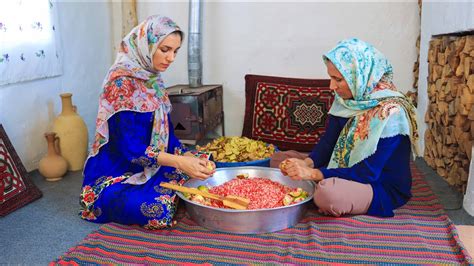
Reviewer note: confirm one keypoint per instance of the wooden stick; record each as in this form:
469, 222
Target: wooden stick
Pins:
231, 201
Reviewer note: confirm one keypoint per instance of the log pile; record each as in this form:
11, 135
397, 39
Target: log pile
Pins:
450, 114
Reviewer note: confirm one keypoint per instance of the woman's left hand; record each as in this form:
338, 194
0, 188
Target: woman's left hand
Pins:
196, 167
209, 164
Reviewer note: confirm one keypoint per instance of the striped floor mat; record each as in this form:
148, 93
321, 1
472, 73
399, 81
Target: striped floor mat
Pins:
420, 233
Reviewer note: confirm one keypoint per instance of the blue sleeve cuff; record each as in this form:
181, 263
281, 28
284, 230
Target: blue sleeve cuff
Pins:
326, 172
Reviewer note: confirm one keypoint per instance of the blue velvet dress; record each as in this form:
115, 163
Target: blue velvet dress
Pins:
387, 170
105, 198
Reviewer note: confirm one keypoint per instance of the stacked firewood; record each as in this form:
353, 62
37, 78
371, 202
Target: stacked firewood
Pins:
450, 114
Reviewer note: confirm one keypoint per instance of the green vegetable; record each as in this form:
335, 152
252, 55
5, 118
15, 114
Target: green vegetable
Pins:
299, 199
304, 194
203, 188
287, 200
296, 193
198, 198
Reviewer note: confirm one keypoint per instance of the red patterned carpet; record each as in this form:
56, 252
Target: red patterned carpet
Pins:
420, 233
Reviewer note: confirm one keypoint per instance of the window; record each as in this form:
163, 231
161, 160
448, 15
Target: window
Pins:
28, 41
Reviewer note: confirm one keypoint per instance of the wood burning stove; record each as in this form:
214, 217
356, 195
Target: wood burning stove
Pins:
196, 111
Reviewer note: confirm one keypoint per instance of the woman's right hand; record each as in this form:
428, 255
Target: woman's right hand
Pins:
284, 165
297, 169
196, 167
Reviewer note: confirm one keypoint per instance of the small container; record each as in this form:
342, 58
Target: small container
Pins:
53, 166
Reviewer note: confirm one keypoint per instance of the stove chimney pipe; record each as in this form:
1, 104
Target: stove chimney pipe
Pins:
194, 44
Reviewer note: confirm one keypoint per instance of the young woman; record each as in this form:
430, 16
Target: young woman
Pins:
362, 163
134, 147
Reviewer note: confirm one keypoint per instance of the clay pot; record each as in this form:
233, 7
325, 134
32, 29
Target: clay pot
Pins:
53, 166
72, 133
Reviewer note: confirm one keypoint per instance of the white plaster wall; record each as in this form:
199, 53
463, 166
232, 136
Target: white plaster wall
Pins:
27, 109
286, 39
438, 18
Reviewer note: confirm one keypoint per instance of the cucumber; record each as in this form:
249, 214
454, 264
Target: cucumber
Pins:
203, 188
287, 200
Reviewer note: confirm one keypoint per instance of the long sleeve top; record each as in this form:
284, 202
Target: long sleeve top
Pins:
387, 170
130, 134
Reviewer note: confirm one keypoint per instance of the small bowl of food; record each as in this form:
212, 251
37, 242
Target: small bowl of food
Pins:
239, 151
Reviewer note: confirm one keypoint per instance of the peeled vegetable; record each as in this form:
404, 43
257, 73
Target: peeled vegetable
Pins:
203, 188
287, 200
283, 166
296, 193
209, 165
238, 149
295, 196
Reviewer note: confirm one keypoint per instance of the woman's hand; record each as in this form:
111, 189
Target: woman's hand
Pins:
196, 167
284, 164
188, 154
300, 162
297, 169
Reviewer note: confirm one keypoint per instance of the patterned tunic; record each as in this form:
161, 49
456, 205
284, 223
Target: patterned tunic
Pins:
105, 198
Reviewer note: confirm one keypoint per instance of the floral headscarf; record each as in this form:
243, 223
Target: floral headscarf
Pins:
375, 102
132, 84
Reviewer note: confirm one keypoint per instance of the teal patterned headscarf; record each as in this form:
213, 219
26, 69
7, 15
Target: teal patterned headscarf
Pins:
377, 109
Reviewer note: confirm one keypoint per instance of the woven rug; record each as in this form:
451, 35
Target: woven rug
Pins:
16, 187
420, 233
287, 112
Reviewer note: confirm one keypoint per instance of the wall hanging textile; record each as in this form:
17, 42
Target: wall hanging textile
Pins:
287, 112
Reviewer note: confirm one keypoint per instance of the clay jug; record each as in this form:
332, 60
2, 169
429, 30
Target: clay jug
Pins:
53, 166
72, 133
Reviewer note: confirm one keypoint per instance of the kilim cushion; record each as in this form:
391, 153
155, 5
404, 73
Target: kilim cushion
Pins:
287, 112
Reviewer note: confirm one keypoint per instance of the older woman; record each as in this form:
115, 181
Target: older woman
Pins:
134, 147
362, 163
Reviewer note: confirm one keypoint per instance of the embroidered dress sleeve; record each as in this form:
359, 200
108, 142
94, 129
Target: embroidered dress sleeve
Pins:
370, 169
321, 153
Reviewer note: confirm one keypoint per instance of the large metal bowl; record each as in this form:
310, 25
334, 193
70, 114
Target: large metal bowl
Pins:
248, 221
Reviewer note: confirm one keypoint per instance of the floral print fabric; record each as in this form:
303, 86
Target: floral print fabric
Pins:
377, 109
121, 174
132, 84
107, 197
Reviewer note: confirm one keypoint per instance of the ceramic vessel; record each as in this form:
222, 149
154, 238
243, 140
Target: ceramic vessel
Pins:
72, 133
53, 166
